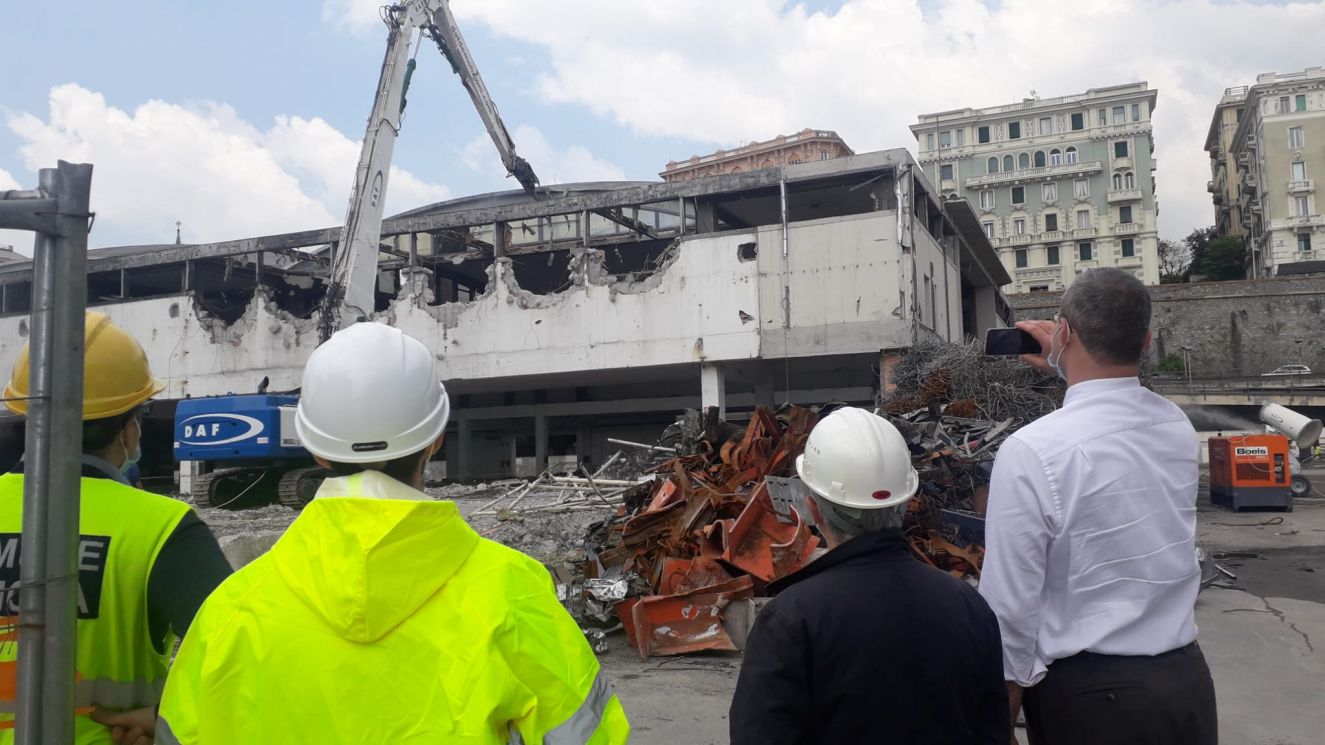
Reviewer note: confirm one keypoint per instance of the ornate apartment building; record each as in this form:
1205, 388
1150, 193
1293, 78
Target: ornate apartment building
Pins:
805, 146
1224, 174
1276, 153
1062, 185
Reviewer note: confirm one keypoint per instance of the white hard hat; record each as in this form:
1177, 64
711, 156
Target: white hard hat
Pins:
856, 459
370, 394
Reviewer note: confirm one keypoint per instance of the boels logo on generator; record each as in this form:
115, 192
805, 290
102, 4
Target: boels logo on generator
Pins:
1250, 452
220, 429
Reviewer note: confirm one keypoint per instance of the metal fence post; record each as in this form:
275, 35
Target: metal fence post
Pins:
47, 634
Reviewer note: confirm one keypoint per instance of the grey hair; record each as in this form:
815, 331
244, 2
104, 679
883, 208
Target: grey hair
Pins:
1109, 311
852, 522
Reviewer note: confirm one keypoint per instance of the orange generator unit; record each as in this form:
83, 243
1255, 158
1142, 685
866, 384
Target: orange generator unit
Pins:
1250, 471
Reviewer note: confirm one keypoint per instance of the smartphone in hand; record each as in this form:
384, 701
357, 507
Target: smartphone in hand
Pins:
1010, 342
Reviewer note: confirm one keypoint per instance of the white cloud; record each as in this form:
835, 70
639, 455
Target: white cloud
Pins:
355, 16
201, 164
553, 165
21, 240
751, 69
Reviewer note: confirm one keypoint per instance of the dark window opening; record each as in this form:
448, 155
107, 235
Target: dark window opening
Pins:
1078, 121
635, 261
747, 251
1014, 130
543, 273
459, 283
982, 134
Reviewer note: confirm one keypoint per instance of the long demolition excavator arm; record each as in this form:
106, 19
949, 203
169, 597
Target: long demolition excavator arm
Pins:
353, 282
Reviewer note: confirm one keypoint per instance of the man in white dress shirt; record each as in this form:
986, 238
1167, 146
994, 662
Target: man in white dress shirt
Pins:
1091, 565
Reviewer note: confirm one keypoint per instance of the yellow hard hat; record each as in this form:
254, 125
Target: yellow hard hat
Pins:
116, 376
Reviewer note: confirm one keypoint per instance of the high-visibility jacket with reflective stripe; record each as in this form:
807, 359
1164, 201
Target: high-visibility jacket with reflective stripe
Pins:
121, 532
381, 617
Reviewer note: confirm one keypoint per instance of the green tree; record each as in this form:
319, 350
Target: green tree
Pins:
1225, 259
1197, 242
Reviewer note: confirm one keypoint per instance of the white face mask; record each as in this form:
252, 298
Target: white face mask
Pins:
1056, 353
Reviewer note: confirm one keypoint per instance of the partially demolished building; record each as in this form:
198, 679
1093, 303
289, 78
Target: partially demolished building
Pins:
599, 311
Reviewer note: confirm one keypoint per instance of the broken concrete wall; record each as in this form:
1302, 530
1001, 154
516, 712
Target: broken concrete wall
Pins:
712, 297
195, 354
844, 275
690, 310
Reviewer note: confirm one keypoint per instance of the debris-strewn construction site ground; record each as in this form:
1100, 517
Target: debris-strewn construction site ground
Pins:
663, 553
1263, 634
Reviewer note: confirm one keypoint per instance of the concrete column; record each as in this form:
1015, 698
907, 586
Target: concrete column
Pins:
510, 447
713, 387
584, 443
464, 449
540, 442
189, 470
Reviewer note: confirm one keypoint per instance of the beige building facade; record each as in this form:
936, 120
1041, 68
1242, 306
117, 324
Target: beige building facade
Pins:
1062, 185
1224, 174
1279, 148
806, 146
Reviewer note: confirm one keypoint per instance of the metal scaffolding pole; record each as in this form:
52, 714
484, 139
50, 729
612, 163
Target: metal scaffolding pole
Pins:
48, 601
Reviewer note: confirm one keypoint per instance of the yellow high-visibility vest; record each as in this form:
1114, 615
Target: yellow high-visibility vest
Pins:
387, 620
121, 532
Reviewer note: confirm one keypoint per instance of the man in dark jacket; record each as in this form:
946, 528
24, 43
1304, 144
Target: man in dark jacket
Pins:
866, 644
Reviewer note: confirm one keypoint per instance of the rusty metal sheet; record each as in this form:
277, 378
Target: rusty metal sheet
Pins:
759, 543
689, 622
686, 575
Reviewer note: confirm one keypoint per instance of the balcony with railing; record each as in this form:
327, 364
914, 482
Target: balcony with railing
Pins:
1083, 233
1053, 235
1210, 187
1299, 186
1031, 273
1126, 228
1034, 174
1124, 195
1019, 240
1123, 162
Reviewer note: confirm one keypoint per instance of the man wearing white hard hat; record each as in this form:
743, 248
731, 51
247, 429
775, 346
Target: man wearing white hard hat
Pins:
380, 616
867, 644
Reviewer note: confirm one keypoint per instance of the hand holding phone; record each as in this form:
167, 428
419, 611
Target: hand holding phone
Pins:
1010, 342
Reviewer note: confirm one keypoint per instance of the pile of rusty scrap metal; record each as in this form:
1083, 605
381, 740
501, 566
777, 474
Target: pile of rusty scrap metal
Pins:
953, 455
701, 537
680, 562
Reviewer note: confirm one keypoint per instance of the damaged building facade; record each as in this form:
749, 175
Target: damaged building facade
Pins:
600, 311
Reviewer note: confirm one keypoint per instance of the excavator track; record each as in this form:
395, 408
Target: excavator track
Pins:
297, 487
234, 488
200, 494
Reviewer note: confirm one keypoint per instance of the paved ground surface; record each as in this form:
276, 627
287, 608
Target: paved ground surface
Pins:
1263, 633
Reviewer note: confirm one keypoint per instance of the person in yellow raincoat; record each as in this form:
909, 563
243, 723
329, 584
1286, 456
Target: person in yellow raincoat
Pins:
380, 615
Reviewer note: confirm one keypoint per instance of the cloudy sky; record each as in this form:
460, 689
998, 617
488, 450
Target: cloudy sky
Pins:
243, 118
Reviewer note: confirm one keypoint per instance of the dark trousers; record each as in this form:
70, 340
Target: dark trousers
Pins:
1094, 699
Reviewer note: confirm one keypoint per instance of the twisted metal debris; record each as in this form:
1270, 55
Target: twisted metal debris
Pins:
970, 383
